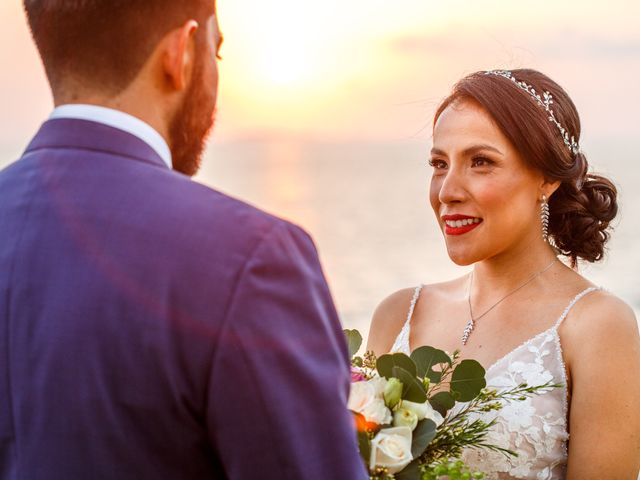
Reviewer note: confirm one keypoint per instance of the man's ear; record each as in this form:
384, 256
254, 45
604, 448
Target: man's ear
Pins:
179, 54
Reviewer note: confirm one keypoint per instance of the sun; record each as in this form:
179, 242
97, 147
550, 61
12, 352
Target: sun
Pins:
282, 44
289, 63
284, 58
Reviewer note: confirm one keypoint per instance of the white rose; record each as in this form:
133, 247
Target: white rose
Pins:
377, 412
366, 398
403, 417
378, 384
391, 448
423, 410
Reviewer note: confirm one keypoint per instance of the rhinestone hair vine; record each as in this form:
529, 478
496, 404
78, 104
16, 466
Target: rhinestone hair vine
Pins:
545, 101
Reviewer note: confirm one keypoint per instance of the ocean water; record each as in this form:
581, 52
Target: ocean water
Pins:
366, 205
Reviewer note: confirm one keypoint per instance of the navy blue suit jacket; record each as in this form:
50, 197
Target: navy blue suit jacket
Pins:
153, 328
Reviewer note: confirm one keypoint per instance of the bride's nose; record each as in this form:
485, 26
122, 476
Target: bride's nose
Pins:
452, 188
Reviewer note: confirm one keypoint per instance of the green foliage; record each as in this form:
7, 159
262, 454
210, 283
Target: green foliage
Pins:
442, 402
412, 389
413, 471
386, 363
452, 470
364, 445
424, 433
436, 449
354, 341
467, 380
425, 358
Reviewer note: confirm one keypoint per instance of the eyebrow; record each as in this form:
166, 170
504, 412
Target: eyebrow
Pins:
469, 151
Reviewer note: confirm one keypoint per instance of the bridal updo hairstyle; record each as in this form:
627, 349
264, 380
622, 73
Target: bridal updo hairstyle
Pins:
103, 44
584, 204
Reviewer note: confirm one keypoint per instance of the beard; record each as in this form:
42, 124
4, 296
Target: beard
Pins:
192, 123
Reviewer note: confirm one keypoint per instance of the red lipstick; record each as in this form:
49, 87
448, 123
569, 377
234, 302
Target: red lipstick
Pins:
460, 224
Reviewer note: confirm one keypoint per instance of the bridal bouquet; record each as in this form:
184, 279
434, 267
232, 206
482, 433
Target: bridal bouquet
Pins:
415, 414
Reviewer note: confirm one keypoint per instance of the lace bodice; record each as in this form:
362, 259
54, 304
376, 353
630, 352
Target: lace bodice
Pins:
535, 428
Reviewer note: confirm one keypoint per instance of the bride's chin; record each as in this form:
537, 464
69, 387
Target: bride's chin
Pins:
462, 259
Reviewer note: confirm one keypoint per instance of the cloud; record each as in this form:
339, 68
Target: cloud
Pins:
554, 45
590, 45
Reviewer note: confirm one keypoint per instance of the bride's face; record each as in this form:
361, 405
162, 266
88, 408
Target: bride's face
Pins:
485, 198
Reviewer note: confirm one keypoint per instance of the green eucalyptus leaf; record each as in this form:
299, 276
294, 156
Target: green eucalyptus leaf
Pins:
423, 434
434, 377
442, 402
412, 389
364, 445
385, 364
410, 472
425, 358
467, 380
354, 341
364, 440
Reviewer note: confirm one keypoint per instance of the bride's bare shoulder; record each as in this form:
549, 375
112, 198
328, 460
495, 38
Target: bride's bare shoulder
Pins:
603, 319
388, 318
392, 313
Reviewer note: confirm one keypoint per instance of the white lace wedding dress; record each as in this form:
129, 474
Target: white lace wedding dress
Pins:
535, 428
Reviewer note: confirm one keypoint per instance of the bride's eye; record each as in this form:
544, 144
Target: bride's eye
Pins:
481, 162
437, 164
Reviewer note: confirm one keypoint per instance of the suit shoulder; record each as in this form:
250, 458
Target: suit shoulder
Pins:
205, 207
214, 218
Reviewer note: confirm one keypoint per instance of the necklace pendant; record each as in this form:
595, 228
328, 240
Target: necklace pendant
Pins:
469, 328
467, 331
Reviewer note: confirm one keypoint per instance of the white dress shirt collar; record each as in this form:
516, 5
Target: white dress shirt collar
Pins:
120, 120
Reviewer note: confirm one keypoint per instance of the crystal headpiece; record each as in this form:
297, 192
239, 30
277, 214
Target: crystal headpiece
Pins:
545, 101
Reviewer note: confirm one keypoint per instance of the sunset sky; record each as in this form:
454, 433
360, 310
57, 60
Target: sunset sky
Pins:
310, 90
356, 70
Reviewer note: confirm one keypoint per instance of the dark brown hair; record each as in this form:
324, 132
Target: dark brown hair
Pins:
584, 205
103, 44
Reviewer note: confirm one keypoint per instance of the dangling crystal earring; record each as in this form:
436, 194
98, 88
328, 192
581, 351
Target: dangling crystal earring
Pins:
544, 217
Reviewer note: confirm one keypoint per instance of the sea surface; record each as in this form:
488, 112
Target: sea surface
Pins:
366, 206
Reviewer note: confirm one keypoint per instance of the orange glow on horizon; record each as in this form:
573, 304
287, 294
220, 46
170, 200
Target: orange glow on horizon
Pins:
370, 69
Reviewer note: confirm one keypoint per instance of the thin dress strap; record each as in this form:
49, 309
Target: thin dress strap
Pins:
401, 345
572, 303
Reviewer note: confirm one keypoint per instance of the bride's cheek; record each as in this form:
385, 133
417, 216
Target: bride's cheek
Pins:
434, 195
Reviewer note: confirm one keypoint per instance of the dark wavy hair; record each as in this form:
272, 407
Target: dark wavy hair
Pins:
103, 44
584, 204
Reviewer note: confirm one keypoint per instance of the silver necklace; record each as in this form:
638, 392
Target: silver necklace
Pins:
472, 321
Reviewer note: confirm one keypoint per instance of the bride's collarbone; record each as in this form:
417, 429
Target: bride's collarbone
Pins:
493, 337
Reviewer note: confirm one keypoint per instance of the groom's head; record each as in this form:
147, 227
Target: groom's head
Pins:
154, 57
